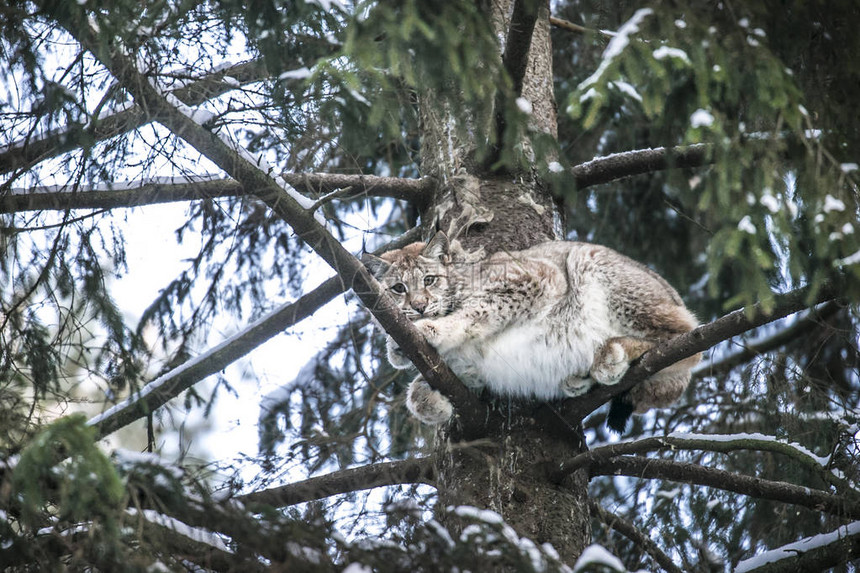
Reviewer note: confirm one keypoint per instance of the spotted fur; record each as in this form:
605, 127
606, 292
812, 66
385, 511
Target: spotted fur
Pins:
545, 323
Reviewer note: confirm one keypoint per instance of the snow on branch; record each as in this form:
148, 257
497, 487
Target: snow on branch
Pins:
194, 543
633, 533
721, 443
619, 165
815, 553
651, 468
25, 153
698, 340
414, 471
253, 173
172, 189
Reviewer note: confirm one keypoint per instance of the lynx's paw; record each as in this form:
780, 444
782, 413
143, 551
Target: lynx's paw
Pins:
396, 356
610, 363
576, 386
427, 404
430, 331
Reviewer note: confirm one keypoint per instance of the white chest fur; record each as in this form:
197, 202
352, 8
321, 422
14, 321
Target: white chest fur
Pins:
533, 358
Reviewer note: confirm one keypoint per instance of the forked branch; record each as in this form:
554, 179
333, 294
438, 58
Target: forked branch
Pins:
25, 153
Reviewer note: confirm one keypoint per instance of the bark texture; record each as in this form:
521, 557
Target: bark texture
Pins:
503, 467
505, 470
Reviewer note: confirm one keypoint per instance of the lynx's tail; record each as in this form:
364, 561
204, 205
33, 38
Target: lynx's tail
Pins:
620, 410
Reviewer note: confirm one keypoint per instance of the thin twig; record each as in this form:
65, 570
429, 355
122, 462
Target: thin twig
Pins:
633, 533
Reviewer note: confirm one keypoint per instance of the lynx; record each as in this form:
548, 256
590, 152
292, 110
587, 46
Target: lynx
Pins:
544, 323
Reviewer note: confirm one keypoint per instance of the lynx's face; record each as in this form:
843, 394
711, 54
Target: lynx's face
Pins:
417, 276
418, 289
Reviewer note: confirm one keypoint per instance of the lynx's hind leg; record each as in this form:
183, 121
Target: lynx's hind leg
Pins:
427, 404
575, 386
612, 358
664, 387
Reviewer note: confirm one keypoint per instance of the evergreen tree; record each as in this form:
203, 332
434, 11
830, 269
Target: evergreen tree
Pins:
715, 142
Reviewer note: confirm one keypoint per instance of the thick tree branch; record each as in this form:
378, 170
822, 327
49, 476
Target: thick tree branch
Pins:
651, 468
632, 533
289, 205
168, 386
23, 154
418, 191
169, 190
698, 340
620, 165
815, 553
752, 349
419, 470
515, 62
709, 443
519, 41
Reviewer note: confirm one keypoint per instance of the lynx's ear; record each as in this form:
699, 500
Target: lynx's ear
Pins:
437, 248
377, 266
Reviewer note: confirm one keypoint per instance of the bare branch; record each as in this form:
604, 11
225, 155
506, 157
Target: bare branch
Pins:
169, 190
24, 154
597, 171
168, 386
111, 196
752, 349
413, 471
709, 443
519, 41
171, 384
620, 165
651, 468
698, 340
632, 533
515, 61
289, 205
571, 27
815, 553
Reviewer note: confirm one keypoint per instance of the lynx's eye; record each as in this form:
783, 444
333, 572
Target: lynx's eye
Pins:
399, 288
430, 280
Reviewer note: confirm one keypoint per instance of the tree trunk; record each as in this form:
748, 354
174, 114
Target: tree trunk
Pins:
505, 469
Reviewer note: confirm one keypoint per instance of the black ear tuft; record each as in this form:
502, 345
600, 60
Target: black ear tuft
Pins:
377, 266
620, 410
437, 247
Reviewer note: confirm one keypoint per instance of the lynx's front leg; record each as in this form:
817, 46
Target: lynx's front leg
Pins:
427, 404
449, 332
612, 358
396, 357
